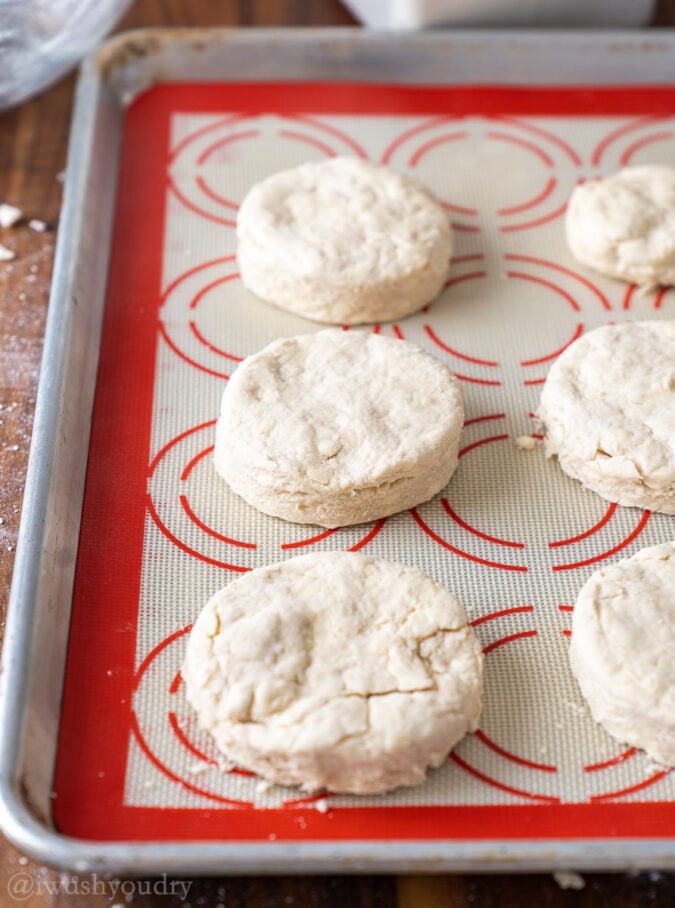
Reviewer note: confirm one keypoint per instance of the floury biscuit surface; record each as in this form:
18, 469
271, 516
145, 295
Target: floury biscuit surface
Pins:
608, 407
343, 241
624, 226
623, 649
338, 428
335, 670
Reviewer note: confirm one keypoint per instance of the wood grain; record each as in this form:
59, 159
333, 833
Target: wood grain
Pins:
33, 141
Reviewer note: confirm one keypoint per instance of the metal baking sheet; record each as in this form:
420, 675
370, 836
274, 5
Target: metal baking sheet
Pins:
127, 530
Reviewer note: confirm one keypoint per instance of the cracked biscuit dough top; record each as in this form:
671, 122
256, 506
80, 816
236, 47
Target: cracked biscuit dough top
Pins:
335, 670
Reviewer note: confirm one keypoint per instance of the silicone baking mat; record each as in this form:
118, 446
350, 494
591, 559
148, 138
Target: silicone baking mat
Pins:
511, 535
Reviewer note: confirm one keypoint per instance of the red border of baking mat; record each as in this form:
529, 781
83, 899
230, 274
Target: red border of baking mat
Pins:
96, 716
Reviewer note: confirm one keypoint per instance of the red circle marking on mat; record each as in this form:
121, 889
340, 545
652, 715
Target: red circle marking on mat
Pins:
155, 651
477, 419
188, 359
532, 203
157, 763
514, 758
460, 209
519, 635
187, 744
480, 442
199, 296
515, 610
537, 222
213, 195
190, 514
617, 548
416, 156
466, 228
642, 143
439, 343
312, 539
203, 130
531, 260
331, 130
476, 381
622, 792
548, 799
541, 133
187, 274
308, 140
613, 761
464, 277
186, 548
371, 534
195, 209
185, 475
226, 140
309, 799
658, 299
174, 441
413, 131
628, 296
202, 340
451, 548
522, 143
594, 529
556, 353
633, 288
604, 144
193, 749
471, 257
524, 276
465, 526
191, 464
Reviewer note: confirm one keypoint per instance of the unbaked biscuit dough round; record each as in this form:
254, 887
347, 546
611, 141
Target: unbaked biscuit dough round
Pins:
343, 241
624, 226
338, 428
623, 649
335, 670
608, 407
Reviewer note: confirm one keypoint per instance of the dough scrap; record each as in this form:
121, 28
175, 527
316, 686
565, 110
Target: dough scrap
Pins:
623, 649
624, 225
608, 407
335, 670
343, 241
338, 428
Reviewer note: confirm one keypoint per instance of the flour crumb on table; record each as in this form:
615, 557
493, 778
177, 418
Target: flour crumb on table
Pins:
9, 215
569, 879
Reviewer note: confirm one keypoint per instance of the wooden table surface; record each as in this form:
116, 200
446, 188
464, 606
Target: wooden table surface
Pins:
32, 156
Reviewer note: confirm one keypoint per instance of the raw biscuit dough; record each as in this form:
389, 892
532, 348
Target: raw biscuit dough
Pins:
338, 428
624, 226
623, 649
343, 241
335, 670
608, 407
